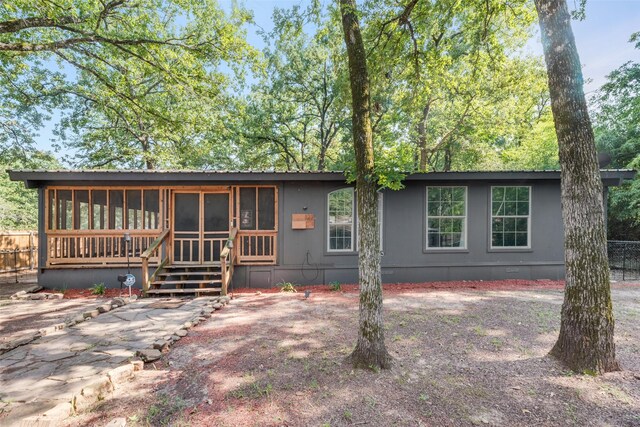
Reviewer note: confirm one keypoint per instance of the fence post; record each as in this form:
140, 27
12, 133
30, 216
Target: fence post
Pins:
624, 260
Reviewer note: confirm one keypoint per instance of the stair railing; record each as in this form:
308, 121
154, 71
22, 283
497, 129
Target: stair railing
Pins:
227, 260
151, 250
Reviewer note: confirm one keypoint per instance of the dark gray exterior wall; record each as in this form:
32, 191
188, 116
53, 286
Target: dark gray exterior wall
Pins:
303, 257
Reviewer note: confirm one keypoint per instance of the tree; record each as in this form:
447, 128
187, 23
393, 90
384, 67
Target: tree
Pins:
448, 79
296, 112
370, 350
19, 205
586, 339
617, 107
124, 65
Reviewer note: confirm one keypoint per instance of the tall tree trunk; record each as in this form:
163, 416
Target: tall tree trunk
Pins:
370, 351
586, 330
422, 137
447, 159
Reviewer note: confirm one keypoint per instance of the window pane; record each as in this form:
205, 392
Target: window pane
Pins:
433, 194
496, 239
266, 209
521, 239
247, 208
497, 224
434, 209
523, 194
458, 209
458, 194
510, 208
523, 208
509, 239
498, 208
497, 193
509, 224
510, 194
522, 224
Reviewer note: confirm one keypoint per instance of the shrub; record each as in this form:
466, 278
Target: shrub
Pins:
335, 286
98, 289
287, 287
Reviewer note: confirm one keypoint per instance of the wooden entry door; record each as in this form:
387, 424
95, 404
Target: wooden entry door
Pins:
201, 222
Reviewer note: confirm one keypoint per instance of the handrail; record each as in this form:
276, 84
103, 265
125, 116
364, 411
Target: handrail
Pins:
147, 254
227, 260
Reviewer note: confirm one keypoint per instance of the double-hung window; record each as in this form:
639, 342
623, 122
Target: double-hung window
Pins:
341, 220
510, 217
446, 217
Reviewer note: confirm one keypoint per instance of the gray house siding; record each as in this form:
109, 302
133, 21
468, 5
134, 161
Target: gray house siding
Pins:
303, 257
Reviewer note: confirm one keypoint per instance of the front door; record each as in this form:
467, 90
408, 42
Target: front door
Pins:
200, 226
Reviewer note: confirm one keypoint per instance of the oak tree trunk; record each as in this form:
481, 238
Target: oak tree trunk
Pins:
586, 330
422, 138
370, 351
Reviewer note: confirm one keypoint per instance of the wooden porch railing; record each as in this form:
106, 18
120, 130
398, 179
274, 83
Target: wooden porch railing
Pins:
227, 260
85, 247
154, 248
257, 247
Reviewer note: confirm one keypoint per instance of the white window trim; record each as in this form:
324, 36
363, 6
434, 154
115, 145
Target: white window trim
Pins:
464, 223
353, 218
491, 216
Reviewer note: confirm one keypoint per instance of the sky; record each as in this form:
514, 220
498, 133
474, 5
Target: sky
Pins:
602, 40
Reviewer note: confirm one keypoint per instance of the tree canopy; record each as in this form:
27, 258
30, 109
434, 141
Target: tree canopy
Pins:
617, 107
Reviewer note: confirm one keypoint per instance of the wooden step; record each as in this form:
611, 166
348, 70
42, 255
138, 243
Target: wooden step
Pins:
185, 282
189, 273
184, 291
208, 265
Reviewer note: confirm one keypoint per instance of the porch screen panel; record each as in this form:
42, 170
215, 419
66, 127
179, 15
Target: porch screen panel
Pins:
151, 209
52, 209
216, 212
99, 204
216, 224
64, 210
134, 209
266, 209
81, 209
248, 208
116, 209
187, 227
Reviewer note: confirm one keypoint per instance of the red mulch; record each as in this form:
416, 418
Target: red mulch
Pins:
479, 285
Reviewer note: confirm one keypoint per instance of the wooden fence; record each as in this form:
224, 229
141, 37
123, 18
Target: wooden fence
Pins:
18, 251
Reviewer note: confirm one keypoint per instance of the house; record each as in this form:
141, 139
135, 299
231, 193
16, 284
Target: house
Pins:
210, 230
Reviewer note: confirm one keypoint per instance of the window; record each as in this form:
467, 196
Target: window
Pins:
446, 217
510, 216
341, 208
114, 209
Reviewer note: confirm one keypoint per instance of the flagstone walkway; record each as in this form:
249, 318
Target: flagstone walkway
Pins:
70, 369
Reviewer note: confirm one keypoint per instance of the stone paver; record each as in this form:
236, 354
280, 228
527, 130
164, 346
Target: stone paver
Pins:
70, 369
26, 320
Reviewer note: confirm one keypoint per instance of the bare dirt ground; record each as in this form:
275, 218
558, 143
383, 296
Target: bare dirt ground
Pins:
463, 356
